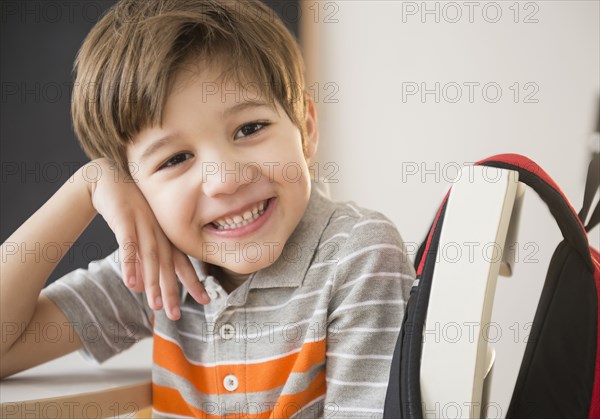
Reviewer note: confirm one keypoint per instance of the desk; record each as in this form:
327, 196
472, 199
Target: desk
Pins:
70, 387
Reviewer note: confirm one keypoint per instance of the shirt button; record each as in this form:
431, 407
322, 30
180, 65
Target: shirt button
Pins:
230, 382
227, 331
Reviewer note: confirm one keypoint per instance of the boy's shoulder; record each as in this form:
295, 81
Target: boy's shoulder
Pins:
356, 220
358, 241
351, 227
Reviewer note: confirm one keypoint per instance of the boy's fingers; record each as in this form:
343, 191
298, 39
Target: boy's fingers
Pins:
170, 292
128, 255
189, 279
148, 254
139, 276
168, 282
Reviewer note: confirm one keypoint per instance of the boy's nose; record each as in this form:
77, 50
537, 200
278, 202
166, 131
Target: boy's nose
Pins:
227, 177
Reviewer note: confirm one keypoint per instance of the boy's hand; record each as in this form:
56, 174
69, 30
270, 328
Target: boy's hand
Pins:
149, 260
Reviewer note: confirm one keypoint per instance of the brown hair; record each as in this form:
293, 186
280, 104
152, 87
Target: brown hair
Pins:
126, 64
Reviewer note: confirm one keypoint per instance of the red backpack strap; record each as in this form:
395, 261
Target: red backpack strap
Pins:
531, 174
425, 253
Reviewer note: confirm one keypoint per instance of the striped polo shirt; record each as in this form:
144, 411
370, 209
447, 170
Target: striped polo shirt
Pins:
310, 336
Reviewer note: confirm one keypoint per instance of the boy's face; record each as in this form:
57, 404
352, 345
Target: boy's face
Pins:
230, 183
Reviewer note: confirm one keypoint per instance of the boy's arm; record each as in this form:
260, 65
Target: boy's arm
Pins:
36, 347
31, 253
25, 269
371, 287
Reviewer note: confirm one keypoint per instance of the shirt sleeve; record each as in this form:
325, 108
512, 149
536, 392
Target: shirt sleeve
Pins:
107, 316
372, 284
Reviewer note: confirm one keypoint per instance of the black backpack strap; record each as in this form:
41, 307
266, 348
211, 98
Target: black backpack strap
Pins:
535, 177
403, 397
591, 187
410, 382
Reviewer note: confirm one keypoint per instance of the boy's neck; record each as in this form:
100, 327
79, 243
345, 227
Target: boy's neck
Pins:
229, 280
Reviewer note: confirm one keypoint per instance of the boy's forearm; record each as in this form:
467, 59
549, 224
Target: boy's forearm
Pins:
32, 252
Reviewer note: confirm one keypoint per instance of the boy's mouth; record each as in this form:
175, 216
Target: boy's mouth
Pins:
233, 221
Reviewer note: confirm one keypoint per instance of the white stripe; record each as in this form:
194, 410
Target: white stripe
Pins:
341, 217
191, 310
354, 209
368, 249
115, 266
240, 336
114, 308
366, 303
369, 330
264, 308
356, 383
333, 262
90, 313
362, 223
280, 306
336, 408
306, 406
383, 275
333, 237
232, 361
195, 337
170, 415
358, 252
352, 356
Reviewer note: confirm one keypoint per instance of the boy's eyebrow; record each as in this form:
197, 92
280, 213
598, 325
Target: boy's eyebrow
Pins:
155, 145
246, 104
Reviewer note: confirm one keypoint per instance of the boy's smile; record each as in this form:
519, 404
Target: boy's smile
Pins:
225, 175
239, 223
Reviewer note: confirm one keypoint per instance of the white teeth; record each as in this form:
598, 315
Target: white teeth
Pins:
240, 220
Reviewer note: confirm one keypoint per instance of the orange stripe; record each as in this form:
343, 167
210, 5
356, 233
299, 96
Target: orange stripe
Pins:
262, 376
289, 404
170, 401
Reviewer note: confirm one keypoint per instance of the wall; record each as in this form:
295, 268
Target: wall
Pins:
534, 74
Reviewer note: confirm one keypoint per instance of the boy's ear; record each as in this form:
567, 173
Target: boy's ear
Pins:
312, 128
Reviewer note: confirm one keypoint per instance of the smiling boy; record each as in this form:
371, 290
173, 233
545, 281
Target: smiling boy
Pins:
202, 105
260, 168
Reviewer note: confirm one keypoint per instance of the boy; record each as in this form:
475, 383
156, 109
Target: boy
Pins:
305, 295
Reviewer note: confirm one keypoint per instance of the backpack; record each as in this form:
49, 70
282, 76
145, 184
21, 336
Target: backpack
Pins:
559, 375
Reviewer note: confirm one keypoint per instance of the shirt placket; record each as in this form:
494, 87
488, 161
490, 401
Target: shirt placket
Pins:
228, 345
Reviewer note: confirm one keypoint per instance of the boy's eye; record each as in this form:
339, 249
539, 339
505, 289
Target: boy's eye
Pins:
250, 129
175, 160
246, 131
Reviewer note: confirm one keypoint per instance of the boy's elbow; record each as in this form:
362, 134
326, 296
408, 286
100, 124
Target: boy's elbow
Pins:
6, 367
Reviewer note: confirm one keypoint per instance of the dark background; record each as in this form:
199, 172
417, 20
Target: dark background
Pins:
38, 148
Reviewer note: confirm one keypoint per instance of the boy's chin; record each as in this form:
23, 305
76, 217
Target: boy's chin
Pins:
244, 263
244, 268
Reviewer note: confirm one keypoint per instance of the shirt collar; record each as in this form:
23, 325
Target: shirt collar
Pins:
290, 268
